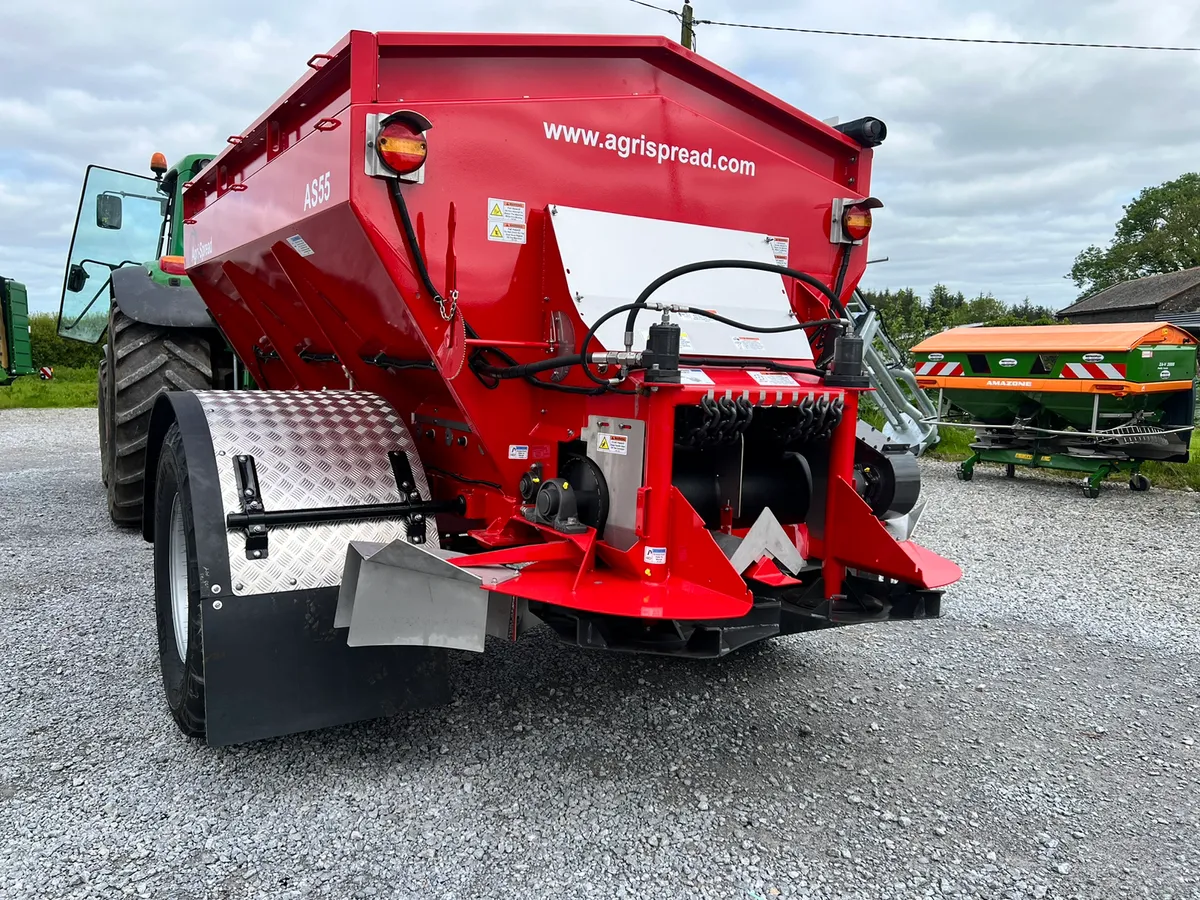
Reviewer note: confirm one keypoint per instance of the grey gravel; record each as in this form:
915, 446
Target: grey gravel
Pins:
1038, 741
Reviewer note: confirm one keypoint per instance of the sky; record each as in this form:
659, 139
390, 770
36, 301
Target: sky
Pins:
1001, 163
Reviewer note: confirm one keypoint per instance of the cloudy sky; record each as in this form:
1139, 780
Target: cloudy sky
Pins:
1001, 163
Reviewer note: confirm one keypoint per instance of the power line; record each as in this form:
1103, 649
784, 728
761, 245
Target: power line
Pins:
924, 37
669, 12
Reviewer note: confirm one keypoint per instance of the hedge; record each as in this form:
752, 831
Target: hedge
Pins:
50, 349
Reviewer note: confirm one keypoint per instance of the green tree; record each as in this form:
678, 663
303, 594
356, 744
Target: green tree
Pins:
1159, 232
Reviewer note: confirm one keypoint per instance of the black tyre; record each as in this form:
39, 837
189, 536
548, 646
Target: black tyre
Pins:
102, 414
1010, 470
1139, 482
144, 361
177, 589
1091, 490
964, 474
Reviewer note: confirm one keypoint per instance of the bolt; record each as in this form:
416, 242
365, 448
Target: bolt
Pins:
241, 459
258, 554
216, 589
248, 492
292, 581
259, 529
217, 604
236, 587
570, 432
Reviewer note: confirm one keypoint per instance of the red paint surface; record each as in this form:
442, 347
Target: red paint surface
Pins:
490, 99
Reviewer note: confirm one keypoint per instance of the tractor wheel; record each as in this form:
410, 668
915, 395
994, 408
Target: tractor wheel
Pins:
1010, 470
102, 414
964, 473
1139, 482
1091, 491
177, 589
144, 361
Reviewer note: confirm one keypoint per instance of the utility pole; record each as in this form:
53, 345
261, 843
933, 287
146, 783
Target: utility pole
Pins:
689, 35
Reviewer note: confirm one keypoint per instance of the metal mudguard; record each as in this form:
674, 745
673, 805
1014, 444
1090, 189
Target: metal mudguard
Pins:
275, 663
144, 300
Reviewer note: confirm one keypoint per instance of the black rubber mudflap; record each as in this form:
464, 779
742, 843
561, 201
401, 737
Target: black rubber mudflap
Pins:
274, 665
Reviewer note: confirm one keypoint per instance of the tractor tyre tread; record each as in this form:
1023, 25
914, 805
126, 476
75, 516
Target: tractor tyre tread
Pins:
145, 361
102, 414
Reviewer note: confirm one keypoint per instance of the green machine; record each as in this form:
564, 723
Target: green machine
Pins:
16, 351
1093, 399
126, 281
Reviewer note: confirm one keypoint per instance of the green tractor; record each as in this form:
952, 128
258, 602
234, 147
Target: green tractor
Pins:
16, 353
160, 336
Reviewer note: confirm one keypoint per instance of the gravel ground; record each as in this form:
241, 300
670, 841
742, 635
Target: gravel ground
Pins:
1038, 741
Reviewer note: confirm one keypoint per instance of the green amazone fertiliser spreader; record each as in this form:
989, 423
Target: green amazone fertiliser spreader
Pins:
1094, 399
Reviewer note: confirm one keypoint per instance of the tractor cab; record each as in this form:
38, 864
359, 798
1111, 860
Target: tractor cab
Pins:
125, 221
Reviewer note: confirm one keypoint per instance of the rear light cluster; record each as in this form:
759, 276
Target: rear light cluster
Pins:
401, 146
856, 222
850, 219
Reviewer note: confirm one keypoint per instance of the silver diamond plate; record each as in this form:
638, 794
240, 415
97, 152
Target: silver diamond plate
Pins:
310, 449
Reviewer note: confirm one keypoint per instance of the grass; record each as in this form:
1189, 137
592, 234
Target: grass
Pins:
69, 388
954, 442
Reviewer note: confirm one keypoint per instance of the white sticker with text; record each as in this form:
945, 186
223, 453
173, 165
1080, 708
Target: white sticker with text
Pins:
773, 379
656, 556
518, 451
613, 443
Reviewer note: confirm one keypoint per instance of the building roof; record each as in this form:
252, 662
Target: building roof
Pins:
1054, 338
1153, 291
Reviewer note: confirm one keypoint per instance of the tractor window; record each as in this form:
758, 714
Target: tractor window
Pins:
119, 223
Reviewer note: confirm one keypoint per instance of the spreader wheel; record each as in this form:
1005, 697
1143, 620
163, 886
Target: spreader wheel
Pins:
177, 589
143, 362
1139, 482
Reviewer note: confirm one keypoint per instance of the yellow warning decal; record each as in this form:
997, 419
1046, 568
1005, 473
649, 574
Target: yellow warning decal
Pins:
612, 443
496, 233
1023, 455
496, 211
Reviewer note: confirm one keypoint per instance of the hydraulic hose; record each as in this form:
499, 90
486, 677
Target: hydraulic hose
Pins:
754, 265
770, 364
414, 250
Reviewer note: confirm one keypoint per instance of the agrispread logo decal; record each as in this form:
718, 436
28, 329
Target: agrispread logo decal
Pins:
625, 146
201, 251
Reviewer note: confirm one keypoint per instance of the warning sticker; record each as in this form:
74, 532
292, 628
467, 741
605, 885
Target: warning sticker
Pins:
508, 210
506, 221
694, 376
656, 556
613, 443
780, 247
685, 342
773, 379
506, 232
300, 245
748, 344
518, 451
